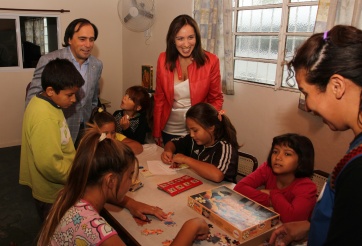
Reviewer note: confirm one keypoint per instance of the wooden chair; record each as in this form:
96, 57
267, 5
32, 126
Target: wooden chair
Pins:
319, 178
246, 164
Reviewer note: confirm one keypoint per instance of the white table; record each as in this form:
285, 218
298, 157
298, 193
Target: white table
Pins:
177, 204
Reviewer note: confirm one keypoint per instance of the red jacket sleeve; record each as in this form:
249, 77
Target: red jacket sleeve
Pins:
160, 95
249, 185
215, 96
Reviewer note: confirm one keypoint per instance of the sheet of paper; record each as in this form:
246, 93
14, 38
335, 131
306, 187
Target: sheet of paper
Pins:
146, 173
159, 168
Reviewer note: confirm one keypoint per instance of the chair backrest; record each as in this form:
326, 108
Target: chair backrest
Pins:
319, 178
246, 164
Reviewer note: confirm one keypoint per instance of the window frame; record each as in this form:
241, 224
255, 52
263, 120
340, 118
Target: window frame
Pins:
16, 17
282, 36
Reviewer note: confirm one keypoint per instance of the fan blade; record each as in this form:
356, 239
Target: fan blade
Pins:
127, 18
145, 13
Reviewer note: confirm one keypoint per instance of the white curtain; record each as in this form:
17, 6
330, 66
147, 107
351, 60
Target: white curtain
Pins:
34, 32
214, 18
334, 12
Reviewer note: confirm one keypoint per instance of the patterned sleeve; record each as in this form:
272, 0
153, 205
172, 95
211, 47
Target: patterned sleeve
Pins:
82, 225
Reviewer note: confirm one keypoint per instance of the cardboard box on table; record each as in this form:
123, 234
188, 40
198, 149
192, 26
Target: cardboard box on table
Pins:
236, 214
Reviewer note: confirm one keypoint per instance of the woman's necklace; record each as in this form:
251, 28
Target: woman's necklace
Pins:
184, 63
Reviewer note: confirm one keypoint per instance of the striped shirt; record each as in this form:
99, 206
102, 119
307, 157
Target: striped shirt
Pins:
221, 154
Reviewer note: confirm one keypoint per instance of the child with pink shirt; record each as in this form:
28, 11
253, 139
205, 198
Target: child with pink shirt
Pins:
285, 177
102, 172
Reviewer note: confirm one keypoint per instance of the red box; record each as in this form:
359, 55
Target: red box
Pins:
176, 186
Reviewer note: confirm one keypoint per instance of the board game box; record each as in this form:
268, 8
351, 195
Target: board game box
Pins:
236, 214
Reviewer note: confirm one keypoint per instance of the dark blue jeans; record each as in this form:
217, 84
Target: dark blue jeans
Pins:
42, 208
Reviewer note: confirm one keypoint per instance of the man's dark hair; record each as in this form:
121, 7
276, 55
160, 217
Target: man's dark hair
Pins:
69, 32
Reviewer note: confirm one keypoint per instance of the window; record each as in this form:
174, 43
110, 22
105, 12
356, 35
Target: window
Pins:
8, 44
266, 33
23, 39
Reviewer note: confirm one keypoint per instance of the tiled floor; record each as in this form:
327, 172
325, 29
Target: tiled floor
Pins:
19, 222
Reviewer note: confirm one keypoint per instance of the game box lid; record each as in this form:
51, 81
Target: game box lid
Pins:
238, 215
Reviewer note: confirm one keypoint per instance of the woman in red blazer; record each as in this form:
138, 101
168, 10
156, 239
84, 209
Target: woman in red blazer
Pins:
186, 75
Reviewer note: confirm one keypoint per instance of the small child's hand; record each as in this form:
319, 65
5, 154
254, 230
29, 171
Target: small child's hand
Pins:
202, 229
179, 159
124, 122
166, 157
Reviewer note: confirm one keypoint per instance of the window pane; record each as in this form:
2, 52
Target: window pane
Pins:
292, 43
264, 47
243, 3
258, 35
302, 19
39, 36
255, 71
46, 49
8, 44
52, 30
259, 20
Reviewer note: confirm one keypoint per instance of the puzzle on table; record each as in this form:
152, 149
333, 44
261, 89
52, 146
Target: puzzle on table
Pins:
234, 213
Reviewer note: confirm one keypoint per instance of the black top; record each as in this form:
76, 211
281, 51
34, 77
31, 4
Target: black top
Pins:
138, 126
222, 155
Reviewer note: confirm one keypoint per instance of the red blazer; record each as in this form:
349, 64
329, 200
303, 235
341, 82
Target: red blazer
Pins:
205, 86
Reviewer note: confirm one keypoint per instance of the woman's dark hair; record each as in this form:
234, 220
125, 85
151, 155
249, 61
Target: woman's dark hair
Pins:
172, 54
302, 146
69, 32
95, 158
207, 116
61, 74
338, 51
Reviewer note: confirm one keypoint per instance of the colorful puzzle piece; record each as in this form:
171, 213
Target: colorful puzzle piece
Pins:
147, 232
218, 238
169, 221
167, 243
142, 222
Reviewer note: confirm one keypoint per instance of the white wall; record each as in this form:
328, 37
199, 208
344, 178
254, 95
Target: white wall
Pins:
258, 113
